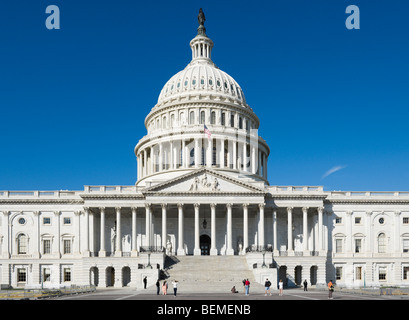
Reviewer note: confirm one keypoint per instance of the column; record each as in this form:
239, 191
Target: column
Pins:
221, 158
102, 250
245, 227
320, 229
57, 252
396, 241
213, 248
77, 232
148, 225
118, 245
181, 244
290, 230
368, 237
197, 153
164, 224
145, 163
36, 253
348, 227
261, 225
229, 250
234, 154
197, 251
6, 251
209, 154
160, 157
244, 159
275, 231
253, 159
305, 230
86, 246
134, 249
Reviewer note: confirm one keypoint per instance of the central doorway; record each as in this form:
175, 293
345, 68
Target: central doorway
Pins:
205, 245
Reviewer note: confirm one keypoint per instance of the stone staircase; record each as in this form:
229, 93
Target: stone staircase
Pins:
209, 273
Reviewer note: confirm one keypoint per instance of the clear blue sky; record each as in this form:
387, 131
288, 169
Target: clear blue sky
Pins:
73, 101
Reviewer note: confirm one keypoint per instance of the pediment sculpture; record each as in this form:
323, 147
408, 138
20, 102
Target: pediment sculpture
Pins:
204, 184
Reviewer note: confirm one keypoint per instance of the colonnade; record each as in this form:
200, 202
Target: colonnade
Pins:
199, 152
227, 229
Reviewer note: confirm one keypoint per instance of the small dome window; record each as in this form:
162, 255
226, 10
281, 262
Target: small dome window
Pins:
186, 83
201, 81
194, 82
218, 83
178, 85
225, 85
210, 82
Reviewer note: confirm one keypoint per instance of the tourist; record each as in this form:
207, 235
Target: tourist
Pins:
233, 290
164, 288
330, 289
157, 287
145, 281
175, 287
305, 285
247, 287
267, 285
280, 287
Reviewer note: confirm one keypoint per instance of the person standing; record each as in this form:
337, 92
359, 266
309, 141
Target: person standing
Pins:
267, 285
145, 282
280, 287
247, 286
175, 287
330, 289
164, 288
157, 287
305, 285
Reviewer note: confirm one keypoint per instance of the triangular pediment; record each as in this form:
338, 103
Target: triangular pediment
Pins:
204, 180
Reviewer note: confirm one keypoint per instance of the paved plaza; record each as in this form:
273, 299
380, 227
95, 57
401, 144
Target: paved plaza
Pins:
289, 294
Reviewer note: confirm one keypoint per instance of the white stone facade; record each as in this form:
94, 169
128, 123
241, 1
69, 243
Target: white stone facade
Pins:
199, 193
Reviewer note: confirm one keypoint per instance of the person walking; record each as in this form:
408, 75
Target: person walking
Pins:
330, 289
157, 287
145, 282
165, 288
280, 288
267, 285
247, 287
175, 287
305, 285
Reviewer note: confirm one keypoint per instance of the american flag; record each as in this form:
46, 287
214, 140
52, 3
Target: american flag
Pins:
207, 131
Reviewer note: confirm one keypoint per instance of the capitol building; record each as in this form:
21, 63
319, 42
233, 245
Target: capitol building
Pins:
202, 190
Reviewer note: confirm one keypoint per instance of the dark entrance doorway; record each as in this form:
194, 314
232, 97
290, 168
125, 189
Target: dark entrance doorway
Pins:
205, 245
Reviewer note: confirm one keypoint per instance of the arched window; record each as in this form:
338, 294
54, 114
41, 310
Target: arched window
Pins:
223, 119
22, 244
202, 117
381, 243
213, 117
191, 117
240, 123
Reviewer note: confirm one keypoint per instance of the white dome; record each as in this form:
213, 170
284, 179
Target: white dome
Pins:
202, 77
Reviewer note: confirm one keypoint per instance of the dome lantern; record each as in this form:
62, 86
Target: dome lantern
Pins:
201, 45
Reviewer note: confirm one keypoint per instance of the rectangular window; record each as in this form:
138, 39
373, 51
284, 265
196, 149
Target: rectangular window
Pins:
46, 274
67, 246
223, 119
338, 273
405, 273
338, 220
358, 273
382, 274
358, 245
47, 220
405, 220
67, 220
232, 120
338, 245
67, 274
46, 246
21, 275
405, 245
357, 220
